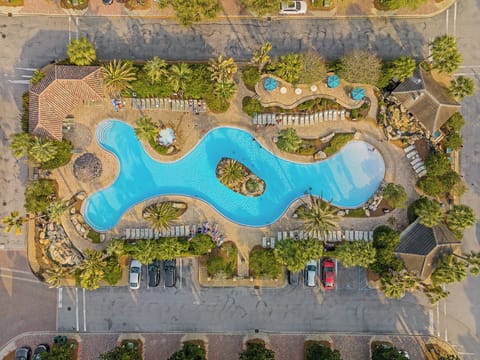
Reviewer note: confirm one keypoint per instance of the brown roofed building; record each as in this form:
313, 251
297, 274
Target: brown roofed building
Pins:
426, 99
63, 88
420, 247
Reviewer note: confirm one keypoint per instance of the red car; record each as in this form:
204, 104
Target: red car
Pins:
328, 274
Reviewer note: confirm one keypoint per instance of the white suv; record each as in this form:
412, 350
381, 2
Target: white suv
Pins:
311, 273
134, 274
293, 7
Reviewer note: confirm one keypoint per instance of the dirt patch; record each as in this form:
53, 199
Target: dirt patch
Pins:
11, 3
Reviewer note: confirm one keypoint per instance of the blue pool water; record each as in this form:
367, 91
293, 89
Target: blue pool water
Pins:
347, 179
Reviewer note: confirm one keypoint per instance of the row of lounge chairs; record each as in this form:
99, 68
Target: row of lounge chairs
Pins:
169, 104
300, 119
339, 235
415, 160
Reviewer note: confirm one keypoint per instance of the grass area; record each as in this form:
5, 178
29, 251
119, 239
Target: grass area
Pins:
137, 4
223, 261
356, 213
69, 4
94, 236
337, 142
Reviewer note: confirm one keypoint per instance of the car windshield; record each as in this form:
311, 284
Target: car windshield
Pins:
132, 284
311, 268
135, 270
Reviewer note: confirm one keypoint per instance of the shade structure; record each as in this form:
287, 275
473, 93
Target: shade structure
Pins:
333, 81
358, 93
166, 137
270, 84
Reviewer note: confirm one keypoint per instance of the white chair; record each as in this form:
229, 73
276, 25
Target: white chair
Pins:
409, 148
264, 242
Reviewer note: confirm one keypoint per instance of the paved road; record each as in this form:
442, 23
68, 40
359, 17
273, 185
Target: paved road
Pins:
25, 303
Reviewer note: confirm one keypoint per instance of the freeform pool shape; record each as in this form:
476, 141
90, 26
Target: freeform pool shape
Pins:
347, 179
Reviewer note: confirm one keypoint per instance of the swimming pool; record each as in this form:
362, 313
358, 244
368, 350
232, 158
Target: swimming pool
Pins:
348, 179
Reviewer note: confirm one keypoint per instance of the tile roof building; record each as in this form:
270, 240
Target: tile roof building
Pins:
420, 247
426, 99
63, 88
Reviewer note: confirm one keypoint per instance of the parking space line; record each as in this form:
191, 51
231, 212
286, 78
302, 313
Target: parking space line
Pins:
84, 312
76, 309
180, 273
60, 297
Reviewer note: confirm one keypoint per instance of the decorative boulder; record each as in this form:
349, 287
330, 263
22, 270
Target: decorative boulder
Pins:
87, 167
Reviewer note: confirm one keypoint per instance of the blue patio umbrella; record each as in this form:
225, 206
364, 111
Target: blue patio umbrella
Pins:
333, 81
270, 84
358, 93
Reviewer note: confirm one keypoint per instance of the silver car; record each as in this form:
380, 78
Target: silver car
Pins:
293, 7
311, 273
135, 274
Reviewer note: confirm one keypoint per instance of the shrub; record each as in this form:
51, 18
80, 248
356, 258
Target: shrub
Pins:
455, 123
189, 351
313, 68
395, 195
288, 67
38, 195
201, 244
251, 106
337, 142
143, 87
251, 76
25, 111
189, 12
199, 83
437, 164
385, 240
216, 265
263, 263
62, 157
94, 236
454, 140
113, 271
360, 66
216, 104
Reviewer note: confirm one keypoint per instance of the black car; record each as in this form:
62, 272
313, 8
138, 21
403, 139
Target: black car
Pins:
170, 267
293, 277
23, 353
154, 274
39, 350
107, 2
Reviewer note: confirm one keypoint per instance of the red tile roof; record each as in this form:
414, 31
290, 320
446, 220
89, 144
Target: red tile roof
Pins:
63, 88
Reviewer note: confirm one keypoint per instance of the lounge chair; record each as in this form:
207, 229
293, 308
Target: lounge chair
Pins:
342, 115
301, 235
370, 235
279, 236
264, 242
272, 242
150, 233
412, 154
365, 235
418, 165
334, 236
320, 116
409, 148
285, 235
350, 234
422, 173
334, 117
127, 234
172, 231
415, 161
339, 235
420, 169
137, 234
292, 235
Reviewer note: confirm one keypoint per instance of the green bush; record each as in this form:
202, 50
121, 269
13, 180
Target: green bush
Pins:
199, 83
113, 271
263, 263
454, 141
143, 87
216, 104
216, 265
94, 236
251, 76
440, 185
395, 195
337, 142
62, 157
309, 104
201, 244
25, 111
314, 68
385, 240
251, 106
38, 195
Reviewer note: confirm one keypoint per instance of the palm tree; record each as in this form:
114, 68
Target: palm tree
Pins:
14, 221
146, 129
288, 140
37, 76
460, 217
261, 57
319, 217
430, 212
449, 269
116, 247
461, 87
171, 248
179, 75
145, 251
56, 208
117, 76
435, 293
473, 261
20, 144
231, 173
403, 68
222, 70
155, 69
56, 275
161, 215
396, 284
92, 269
224, 90
81, 52
42, 150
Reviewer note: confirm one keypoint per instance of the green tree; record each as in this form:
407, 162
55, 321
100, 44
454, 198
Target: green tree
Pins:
356, 253
461, 87
113, 270
116, 247
396, 284
20, 144
261, 56
14, 221
262, 7
146, 129
222, 70
145, 250
189, 12
231, 173
449, 269
453, 141
56, 209
161, 215
262, 262
317, 351
179, 75
117, 76
216, 265
460, 217
360, 66
123, 352
313, 68
63, 154
257, 351
37, 76
294, 254
319, 217
395, 195
56, 275
445, 56
288, 140
189, 351
60, 352
381, 352
288, 67
435, 293
385, 240
473, 262
38, 195
437, 164
224, 90
171, 248
155, 69
251, 76
42, 150
81, 52
92, 269
201, 244
430, 212
455, 122
402, 68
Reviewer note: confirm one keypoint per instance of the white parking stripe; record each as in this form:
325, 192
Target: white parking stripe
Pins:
60, 297
19, 278
454, 18
84, 312
76, 309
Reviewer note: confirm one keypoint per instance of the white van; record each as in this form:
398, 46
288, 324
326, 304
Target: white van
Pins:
311, 273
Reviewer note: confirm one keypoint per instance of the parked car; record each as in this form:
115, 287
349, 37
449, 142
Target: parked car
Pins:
293, 277
39, 350
293, 7
135, 274
311, 273
107, 2
154, 274
328, 274
23, 353
170, 267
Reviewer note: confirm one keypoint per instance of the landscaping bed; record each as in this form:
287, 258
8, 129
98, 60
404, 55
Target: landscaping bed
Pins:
222, 262
75, 5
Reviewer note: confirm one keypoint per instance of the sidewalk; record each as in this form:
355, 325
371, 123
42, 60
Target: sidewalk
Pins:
230, 9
